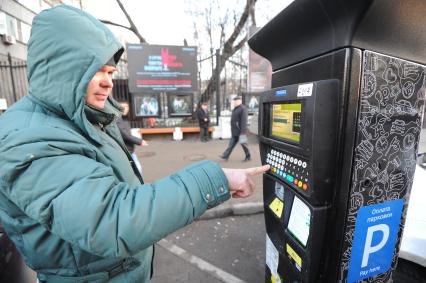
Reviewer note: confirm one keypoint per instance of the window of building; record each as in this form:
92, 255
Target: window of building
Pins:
11, 26
3, 25
25, 32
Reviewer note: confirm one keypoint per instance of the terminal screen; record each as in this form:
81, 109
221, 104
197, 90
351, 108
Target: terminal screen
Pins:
299, 223
286, 121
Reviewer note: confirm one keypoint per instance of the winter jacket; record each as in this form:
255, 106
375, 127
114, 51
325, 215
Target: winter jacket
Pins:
125, 130
239, 121
70, 199
201, 115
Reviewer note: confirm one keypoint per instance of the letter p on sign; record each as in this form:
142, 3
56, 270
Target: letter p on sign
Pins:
375, 237
368, 248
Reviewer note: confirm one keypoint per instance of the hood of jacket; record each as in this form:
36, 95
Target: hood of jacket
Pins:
66, 48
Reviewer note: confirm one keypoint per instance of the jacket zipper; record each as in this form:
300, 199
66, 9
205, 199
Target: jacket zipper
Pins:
102, 127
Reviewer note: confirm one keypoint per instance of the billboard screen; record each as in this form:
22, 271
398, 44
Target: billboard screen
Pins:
180, 105
161, 68
146, 105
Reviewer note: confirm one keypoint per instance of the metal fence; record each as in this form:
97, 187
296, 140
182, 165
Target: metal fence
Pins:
13, 80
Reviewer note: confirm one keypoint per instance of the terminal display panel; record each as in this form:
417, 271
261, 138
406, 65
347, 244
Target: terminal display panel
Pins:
300, 221
287, 121
299, 137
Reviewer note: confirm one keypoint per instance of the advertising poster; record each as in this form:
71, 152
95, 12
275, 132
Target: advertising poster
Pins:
259, 69
162, 68
251, 101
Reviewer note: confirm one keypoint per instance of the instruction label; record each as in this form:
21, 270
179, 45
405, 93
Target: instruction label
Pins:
305, 90
293, 255
272, 256
277, 207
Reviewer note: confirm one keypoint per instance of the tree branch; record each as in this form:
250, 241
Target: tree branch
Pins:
228, 50
115, 24
240, 25
252, 15
240, 44
133, 27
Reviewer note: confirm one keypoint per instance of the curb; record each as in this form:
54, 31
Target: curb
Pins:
246, 208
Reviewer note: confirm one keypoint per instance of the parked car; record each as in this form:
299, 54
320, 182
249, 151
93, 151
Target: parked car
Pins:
412, 255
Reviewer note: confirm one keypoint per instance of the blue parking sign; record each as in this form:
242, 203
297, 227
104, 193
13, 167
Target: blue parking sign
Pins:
376, 233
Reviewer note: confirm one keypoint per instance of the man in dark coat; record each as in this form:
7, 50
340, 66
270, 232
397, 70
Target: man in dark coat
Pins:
238, 130
203, 121
123, 124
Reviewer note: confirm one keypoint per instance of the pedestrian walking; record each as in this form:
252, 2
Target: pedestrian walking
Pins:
203, 121
71, 199
239, 130
123, 124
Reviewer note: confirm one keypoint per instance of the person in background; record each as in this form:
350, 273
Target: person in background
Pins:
123, 124
70, 198
239, 130
203, 121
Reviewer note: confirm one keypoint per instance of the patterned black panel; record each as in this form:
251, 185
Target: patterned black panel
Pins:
389, 123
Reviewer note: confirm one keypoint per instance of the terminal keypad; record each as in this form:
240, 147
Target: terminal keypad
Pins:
289, 168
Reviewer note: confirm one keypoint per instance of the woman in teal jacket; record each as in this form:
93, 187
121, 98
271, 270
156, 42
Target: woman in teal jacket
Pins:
70, 198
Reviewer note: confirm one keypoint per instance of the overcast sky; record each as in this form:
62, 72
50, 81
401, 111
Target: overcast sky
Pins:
165, 21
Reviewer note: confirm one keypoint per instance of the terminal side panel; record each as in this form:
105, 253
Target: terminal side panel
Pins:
388, 127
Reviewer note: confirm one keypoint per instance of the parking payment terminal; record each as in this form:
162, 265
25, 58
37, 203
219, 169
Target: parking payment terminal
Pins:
340, 129
302, 157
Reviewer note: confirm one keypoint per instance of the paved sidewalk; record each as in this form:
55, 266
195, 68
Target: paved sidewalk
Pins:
211, 250
230, 249
164, 156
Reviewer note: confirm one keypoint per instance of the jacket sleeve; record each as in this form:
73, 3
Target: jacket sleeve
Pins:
127, 137
81, 201
244, 117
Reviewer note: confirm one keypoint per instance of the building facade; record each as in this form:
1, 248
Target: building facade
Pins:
16, 17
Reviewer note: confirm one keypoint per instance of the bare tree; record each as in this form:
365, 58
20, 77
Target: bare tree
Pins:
209, 30
229, 48
132, 27
252, 15
215, 24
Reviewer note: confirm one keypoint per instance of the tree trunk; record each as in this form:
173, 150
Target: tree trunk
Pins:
228, 50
